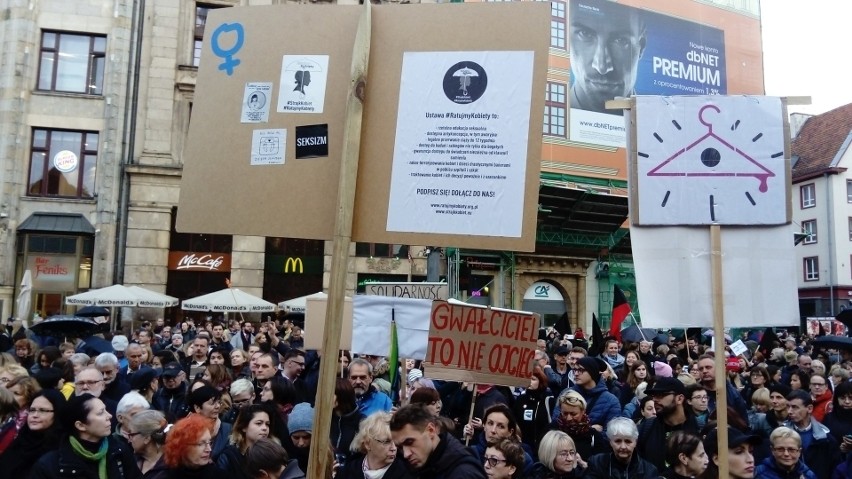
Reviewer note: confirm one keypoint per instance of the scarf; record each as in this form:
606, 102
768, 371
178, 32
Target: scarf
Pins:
99, 456
579, 428
373, 473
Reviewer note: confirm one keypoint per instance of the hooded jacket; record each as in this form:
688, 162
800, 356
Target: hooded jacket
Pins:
823, 453
451, 460
769, 469
601, 405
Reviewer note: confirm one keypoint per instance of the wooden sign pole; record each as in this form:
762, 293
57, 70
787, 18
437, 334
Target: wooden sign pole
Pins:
719, 351
318, 465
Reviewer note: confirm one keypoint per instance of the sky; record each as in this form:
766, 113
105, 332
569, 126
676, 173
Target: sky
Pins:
805, 48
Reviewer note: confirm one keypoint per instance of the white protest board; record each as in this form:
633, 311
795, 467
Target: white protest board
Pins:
738, 347
410, 290
372, 319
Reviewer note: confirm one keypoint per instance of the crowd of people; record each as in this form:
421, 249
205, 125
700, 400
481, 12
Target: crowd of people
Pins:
236, 399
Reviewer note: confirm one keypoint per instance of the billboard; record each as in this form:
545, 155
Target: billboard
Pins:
637, 47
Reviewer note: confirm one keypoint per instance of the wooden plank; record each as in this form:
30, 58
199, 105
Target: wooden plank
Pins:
719, 351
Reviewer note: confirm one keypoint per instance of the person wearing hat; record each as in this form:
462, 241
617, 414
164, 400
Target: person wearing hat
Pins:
300, 426
669, 395
171, 398
559, 374
777, 414
740, 454
601, 405
146, 382
119, 345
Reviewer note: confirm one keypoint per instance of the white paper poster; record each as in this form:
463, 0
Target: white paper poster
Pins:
459, 161
302, 86
371, 320
256, 99
268, 147
674, 286
710, 159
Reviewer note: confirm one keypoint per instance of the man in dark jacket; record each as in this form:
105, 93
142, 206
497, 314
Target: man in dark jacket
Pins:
669, 395
171, 398
431, 454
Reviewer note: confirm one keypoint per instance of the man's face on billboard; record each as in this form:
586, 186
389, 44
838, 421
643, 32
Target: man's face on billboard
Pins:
605, 49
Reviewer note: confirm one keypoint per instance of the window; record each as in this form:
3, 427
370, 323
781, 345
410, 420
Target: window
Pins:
849, 191
807, 195
381, 250
554, 109
557, 24
201, 11
809, 227
811, 267
72, 62
63, 163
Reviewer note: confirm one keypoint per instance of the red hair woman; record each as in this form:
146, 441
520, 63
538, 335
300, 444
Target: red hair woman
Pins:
188, 450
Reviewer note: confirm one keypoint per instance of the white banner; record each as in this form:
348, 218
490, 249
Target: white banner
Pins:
371, 325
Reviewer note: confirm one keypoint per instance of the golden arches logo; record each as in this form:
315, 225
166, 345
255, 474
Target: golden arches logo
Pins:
296, 264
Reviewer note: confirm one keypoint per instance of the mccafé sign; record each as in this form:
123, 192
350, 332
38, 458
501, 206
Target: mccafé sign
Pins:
201, 262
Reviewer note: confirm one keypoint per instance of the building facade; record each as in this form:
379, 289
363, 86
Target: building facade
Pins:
96, 103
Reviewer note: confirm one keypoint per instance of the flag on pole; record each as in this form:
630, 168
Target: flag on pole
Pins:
821, 329
393, 357
596, 348
620, 310
768, 342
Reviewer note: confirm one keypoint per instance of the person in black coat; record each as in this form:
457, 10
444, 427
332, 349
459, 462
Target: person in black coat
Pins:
89, 450
346, 419
839, 420
373, 450
253, 423
558, 458
622, 462
268, 460
431, 454
39, 435
533, 409
188, 450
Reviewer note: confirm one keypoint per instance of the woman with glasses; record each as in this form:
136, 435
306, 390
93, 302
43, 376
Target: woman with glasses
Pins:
253, 423
206, 401
574, 421
373, 452
685, 456
88, 449
697, 401
558, 458
786, 459
188, 450
822, 396
147, 437
39, 435
504, 460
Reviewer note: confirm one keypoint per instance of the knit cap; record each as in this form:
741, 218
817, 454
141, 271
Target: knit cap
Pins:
301, 418
592, 366
662, 370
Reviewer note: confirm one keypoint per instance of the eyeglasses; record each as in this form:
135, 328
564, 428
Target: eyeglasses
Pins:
566, 454
204, 444
788, 450
493, 461
38, 410
819, 385
88, 383
579, 370
4, 380
131, 435
699, 398
383, 442
572, 400
300, 364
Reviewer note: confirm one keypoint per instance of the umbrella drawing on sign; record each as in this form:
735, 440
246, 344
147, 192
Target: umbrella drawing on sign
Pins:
25, 296
66, 326
465, 75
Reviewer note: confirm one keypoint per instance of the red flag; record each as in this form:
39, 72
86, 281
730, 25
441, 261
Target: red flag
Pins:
620, 310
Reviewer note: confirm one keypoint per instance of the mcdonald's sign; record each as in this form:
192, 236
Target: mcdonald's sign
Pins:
295, 264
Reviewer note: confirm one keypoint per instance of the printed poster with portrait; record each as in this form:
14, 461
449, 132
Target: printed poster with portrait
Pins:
620, 51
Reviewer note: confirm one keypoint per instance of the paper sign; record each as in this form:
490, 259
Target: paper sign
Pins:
268, 147
673, 276
315, 309
459, 165
739, 348
371, 322
480, 344
303, 80
410, 290
256, 100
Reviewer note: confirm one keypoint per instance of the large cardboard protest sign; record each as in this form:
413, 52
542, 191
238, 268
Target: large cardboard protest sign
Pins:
480, 344
450, 134
315, 308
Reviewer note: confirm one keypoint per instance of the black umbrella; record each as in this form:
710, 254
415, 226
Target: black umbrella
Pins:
635, 334
65, 326
833, 342
94, 345
92, 312
845, 317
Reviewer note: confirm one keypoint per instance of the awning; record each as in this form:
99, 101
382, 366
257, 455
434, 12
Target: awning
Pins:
66, 223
